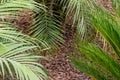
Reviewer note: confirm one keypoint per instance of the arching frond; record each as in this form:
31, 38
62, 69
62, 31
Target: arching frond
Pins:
18, 63
100, 64
9, 34
109, 28
12, 7
107, 25
45, 26
48, 28
17, 58
79, 10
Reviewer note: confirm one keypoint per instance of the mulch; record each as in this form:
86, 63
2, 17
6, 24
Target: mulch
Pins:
60, 68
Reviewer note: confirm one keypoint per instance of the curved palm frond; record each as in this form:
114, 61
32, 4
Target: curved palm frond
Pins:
103, 65
107, 65
48, 28
18, 62
79, 10
9, 34
109, 28
17, 58
45, 26
11, 8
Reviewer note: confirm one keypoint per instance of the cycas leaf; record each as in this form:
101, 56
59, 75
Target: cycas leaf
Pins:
108, 27
103, 59
105, 23
16, 50
89, 69
13, 6
48, 28
9, 34
16, 61
45, 26
79, 10
16, 56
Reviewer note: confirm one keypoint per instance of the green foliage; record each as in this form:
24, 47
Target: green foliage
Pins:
17, 62
89, 69
103, 59
116, 6
47, 28
11, 7
17, 56
17, 51
98, 63
108, 27
79, 11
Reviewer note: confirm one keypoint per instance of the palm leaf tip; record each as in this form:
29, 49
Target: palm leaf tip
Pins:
20, 64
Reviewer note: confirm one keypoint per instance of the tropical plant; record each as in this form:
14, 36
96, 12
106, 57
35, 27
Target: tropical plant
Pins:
18, 63
95, 61
46, 26
17, 57
17, 51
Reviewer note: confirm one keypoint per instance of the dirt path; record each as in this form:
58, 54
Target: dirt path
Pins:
59, 65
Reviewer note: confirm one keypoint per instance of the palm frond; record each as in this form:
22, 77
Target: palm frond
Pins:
79, 10
88, 68
97, 59
103, 59
20, 63
99, 65
48, 28
12, 7
10, 35
63, 3
116, 6
45, 26
17, 58
107, 25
